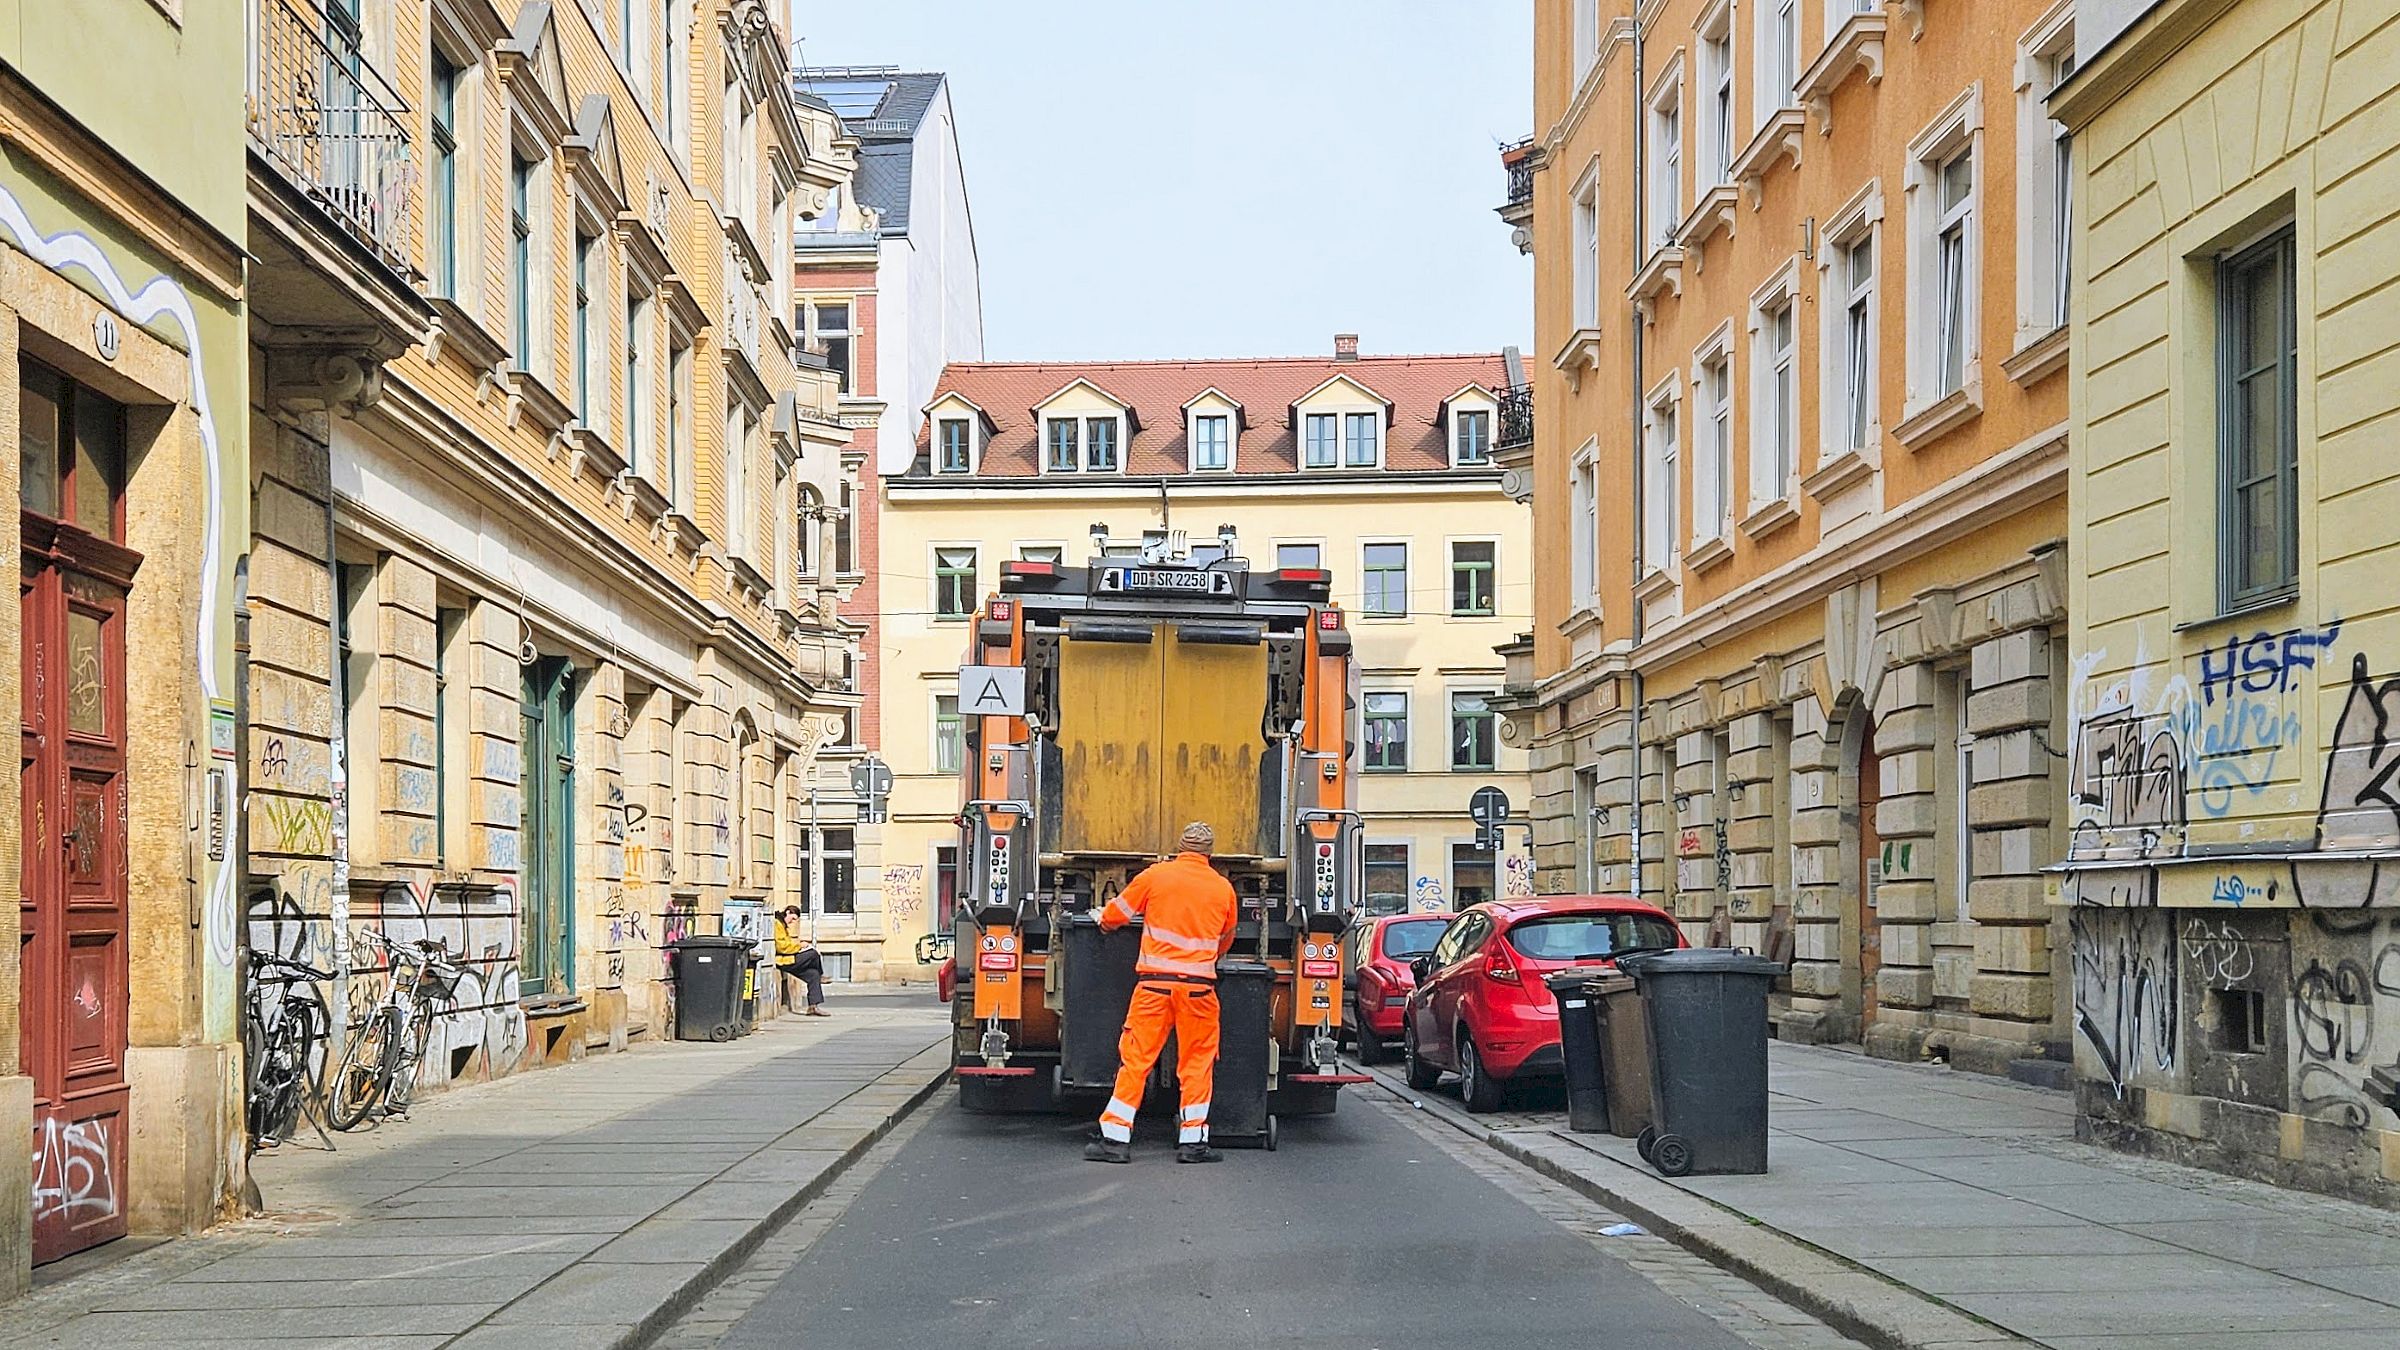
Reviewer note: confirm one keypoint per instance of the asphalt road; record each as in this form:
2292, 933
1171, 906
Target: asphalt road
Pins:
992, 1231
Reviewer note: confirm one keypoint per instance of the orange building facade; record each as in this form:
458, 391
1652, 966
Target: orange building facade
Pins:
1799, 445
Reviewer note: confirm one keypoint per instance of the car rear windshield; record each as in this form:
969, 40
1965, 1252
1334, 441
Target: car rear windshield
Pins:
1414, 938
1584, 937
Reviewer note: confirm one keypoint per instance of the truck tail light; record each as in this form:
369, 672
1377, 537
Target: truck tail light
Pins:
999, 610
1313, 576
1023, 568
1329, 620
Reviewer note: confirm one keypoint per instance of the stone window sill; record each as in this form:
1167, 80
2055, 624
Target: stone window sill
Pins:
1768, 519
1944, 414
1708, 553
2037, 357
1657, 585
1848, 467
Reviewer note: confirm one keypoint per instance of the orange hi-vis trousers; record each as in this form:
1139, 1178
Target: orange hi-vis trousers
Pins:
1159, 1006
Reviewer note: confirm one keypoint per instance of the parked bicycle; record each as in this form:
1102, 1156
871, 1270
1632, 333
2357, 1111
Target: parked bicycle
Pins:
285, 1026
387, 1042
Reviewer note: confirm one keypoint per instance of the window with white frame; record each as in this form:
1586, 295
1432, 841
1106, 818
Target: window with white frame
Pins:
1471, 436
949, 734
1944, 253
1362, 446
1064, 437
1384, 577
1775, 411
953, 581
1954, 267
1666, 165
1660, 483
1299, 555
2045, 177
637, 377
1474, 743
1712, 452
1716, 92
1474, 578
1384, 713
1854, 365
1586, 527
1212, 441
1586, 37
956, 437
738, 423
677, 120
587, 250
1053, 554
1778, 58
679, 419
1100, 448
1319, 448
1587, 257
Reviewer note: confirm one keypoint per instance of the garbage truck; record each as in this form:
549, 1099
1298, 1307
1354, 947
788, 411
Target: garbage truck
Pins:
1103, 706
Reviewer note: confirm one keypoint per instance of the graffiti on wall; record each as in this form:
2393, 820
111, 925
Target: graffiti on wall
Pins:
2359, 807
1428, 897
2126, 1004
1516, 876
73, 1169
481, 1025
904, 893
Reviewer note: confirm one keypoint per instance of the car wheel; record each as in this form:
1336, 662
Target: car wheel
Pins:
1421, 1075
1370, 1046
1481, 1091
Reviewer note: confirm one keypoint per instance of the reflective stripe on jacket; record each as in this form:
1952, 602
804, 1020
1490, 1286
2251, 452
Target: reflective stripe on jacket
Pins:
1187, 912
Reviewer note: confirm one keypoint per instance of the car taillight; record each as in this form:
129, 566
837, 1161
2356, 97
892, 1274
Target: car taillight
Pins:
1501, 964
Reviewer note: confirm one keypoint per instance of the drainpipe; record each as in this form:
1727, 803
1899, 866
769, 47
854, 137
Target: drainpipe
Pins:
1641, 234
339, 903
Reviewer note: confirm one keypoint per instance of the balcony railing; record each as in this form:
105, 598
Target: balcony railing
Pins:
1516, 418
1517, 159
332, 123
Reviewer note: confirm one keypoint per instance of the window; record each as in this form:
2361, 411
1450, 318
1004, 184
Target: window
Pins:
356, 628
1474, 436
1318, 449
1716, 130
1065, 454
2046, 182
843, 561
1471, 873
520, 257
957, 443
1778, 57
1587, 37
840, 865
585, 246
1386, 573
1666, 167
1774, 425
676, 119
1211, 448
2061, 179
949, 735
1472, 732
1712, 458
1386, 882
1100, 444
1359, 440
1472, 578
1050, 553
637, 377
1587, 258
442, 246
833, 335
70, 452
1386, 718
1854, 278
953, 583
1586, 527
1954, 203
1660, 484
737, 486
2258, 512
679, 421
1299, 555
451, 685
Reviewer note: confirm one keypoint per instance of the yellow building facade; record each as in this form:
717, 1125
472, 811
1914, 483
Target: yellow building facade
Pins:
2228, 870
1799, 447
1376, 468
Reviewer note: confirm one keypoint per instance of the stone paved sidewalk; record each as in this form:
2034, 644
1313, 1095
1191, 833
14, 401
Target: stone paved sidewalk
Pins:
580, 1206
1914, 1205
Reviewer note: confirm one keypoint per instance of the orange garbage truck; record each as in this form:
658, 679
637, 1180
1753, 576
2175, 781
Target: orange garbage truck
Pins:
1104, 706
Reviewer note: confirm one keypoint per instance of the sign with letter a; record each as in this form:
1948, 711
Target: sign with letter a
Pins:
991, 691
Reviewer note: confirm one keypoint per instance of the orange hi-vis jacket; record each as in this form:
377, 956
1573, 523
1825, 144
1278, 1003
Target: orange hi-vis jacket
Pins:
1187, 911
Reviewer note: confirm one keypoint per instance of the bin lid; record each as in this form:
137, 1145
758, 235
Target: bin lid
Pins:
1700, 961
709, 942
1568, 981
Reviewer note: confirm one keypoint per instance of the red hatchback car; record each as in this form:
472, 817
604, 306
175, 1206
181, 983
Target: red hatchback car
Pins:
1480, 1009
1376, 957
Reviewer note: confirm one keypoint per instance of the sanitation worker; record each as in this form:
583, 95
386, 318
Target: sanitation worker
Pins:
1187, 912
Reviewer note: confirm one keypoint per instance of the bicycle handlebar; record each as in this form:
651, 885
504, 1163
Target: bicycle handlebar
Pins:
285, 964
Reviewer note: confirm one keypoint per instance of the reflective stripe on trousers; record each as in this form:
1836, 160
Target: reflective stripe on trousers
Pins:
1190, 1012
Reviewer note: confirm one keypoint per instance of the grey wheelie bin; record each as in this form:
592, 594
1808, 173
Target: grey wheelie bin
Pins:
1579, 1046
708, 986
1708, 1059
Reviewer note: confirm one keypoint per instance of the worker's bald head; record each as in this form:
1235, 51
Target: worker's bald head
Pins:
1197, 838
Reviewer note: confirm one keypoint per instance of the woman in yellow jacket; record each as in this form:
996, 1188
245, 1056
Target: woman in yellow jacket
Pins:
797, 957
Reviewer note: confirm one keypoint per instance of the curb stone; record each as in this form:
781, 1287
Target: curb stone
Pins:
1856, 1302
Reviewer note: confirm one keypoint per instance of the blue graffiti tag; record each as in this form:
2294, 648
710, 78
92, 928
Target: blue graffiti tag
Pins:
2262, 663
2232, 890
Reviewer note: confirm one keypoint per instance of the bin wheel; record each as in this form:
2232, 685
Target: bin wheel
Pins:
720, 1034
1643, 1142
1274, 1134
1671, 1154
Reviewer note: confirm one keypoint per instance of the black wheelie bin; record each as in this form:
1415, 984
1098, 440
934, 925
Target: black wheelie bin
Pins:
1579, 1046
1708, 1059
708, 986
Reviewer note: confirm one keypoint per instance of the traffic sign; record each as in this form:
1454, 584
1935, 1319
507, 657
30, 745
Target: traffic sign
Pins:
1489, 806
991, 691
870, 777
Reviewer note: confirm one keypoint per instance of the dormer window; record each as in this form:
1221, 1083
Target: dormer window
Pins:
1360, 450
1100, 444
1083, 444
1319, 450
1212, 441
1474, 437
957, 441
1066, 455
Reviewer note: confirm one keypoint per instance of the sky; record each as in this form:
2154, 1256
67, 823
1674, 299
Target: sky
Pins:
1167, 178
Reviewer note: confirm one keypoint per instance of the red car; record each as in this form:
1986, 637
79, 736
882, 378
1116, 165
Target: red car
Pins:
1481, 1010
1376, 955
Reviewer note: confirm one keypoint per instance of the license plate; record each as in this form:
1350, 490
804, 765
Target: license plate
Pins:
1320, 970
998, 961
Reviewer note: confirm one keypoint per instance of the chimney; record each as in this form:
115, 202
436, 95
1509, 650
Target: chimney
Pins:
1345, 346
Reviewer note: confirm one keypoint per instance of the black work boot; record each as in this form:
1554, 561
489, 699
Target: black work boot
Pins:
1197, 1153
1107, 1150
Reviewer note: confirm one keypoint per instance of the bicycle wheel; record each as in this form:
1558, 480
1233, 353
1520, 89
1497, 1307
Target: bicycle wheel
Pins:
403, 1087
365, 1071
275, 1094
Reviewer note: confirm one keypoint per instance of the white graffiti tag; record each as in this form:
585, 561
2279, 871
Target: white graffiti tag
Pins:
72, 1169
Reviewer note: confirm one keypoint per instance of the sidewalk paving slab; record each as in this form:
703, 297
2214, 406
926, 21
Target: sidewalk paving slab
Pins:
579, 1206
1915, 1206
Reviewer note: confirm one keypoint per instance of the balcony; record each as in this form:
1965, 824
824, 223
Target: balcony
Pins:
331, 181
1516, 419
1512, 443
1519, 161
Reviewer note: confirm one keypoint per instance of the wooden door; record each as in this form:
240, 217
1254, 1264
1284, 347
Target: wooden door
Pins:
547, 963
71, 603
1870, 872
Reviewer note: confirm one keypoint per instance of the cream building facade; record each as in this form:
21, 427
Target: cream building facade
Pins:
1376, 468
2228, 861
1798, 441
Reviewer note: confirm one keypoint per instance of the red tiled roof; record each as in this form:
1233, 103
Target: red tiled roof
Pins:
1266, 388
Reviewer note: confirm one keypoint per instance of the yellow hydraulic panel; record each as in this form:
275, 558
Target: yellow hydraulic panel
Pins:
1216, 703
1109, 715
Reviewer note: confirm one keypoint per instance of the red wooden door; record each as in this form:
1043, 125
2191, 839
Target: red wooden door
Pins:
71, 601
